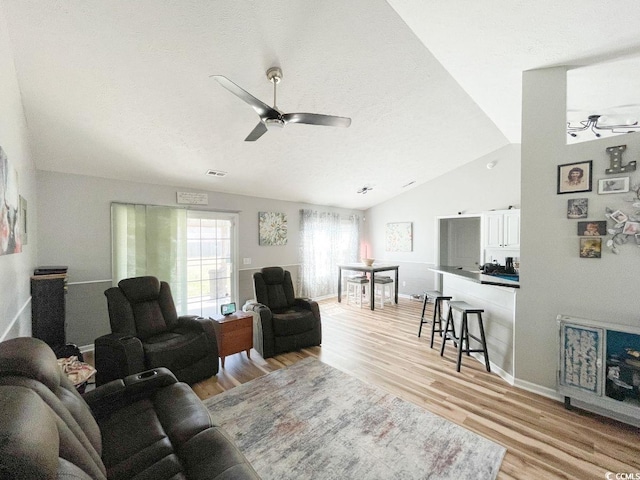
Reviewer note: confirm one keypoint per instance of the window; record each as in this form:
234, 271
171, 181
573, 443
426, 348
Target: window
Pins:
326, 240
192, 250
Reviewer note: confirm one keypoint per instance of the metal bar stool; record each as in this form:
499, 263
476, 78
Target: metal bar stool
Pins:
437, 298
462, 342
357, 286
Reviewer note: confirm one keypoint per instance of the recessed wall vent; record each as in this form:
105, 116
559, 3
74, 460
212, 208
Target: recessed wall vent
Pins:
216, 173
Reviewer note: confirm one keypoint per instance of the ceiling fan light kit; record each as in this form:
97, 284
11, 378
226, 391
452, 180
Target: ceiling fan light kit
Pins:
271, 118
593, 123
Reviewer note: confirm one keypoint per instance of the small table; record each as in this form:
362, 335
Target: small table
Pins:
360, 267
234, 334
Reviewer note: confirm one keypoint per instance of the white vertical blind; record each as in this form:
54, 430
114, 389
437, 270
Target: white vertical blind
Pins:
194, 251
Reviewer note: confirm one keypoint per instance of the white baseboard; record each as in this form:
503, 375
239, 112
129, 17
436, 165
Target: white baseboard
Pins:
506, 376
538, 389
15, 319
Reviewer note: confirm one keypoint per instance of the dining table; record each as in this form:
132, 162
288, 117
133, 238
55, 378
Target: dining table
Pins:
371, 270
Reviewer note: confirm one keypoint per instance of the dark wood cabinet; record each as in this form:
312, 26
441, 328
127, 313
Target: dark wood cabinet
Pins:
48, 309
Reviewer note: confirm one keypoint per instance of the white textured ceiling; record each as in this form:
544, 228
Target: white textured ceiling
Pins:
123, 90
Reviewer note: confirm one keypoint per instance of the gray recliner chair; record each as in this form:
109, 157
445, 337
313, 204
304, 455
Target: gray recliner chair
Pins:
148, 333
283, 323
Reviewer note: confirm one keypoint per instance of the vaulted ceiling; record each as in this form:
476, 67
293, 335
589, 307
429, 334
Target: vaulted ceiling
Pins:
123, 90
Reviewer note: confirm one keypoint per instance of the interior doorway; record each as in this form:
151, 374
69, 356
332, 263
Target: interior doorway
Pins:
460, 242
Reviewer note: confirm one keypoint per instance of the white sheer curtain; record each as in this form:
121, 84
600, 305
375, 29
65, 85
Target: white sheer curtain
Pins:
326, 240
150, 240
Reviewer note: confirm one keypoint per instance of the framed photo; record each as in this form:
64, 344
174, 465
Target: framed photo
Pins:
631, 228
577, 208
619, 216
592, 229
591, 247
613, 185
575, 177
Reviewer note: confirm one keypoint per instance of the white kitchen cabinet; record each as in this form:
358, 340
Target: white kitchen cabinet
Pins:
501, 229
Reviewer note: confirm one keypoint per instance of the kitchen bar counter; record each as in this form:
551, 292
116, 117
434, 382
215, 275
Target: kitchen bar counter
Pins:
476, 277
497, 297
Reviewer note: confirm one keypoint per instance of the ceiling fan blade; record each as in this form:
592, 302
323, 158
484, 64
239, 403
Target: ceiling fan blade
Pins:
316, 119
257, 132
264, 110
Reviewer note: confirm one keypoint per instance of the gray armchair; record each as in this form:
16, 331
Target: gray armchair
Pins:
284, 323
148, 333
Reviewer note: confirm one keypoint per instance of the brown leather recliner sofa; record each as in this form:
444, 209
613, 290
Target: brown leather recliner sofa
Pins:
146, 426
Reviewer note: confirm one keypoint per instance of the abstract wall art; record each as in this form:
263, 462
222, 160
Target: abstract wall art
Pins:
10, 234
399, 237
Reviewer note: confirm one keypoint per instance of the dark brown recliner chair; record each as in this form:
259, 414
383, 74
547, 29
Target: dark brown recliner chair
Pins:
147, 426
284, 323
147, 333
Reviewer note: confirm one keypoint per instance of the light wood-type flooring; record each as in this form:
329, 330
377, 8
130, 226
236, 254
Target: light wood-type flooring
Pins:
543, 439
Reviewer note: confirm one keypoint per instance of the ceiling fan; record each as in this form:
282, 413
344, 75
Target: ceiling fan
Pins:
592, 123
272, 117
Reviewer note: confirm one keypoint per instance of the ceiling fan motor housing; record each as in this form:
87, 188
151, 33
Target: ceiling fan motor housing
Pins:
274, 123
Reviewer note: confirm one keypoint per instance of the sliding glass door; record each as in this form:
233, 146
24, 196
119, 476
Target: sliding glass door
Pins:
211, 270
192, 250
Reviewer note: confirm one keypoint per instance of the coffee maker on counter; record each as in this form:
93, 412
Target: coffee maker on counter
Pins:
508, 265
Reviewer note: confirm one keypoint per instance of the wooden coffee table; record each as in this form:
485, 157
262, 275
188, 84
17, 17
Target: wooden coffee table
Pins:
234, 334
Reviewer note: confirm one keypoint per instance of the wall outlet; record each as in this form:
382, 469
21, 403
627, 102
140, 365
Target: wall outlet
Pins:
404, 284
246, 261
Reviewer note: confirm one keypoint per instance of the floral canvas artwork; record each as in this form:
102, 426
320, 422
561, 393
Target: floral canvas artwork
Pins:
272, 228
399, 237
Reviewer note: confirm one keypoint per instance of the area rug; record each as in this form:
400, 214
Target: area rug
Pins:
312, 421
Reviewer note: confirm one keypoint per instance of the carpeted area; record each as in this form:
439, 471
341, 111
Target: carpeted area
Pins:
313, 421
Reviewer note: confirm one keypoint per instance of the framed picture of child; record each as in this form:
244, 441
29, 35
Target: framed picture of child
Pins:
592, 229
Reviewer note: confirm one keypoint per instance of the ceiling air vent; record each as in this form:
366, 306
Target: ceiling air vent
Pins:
216, 173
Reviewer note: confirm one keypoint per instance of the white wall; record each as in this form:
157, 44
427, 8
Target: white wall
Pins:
469, 189
15, 269
554, 279
74, 219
